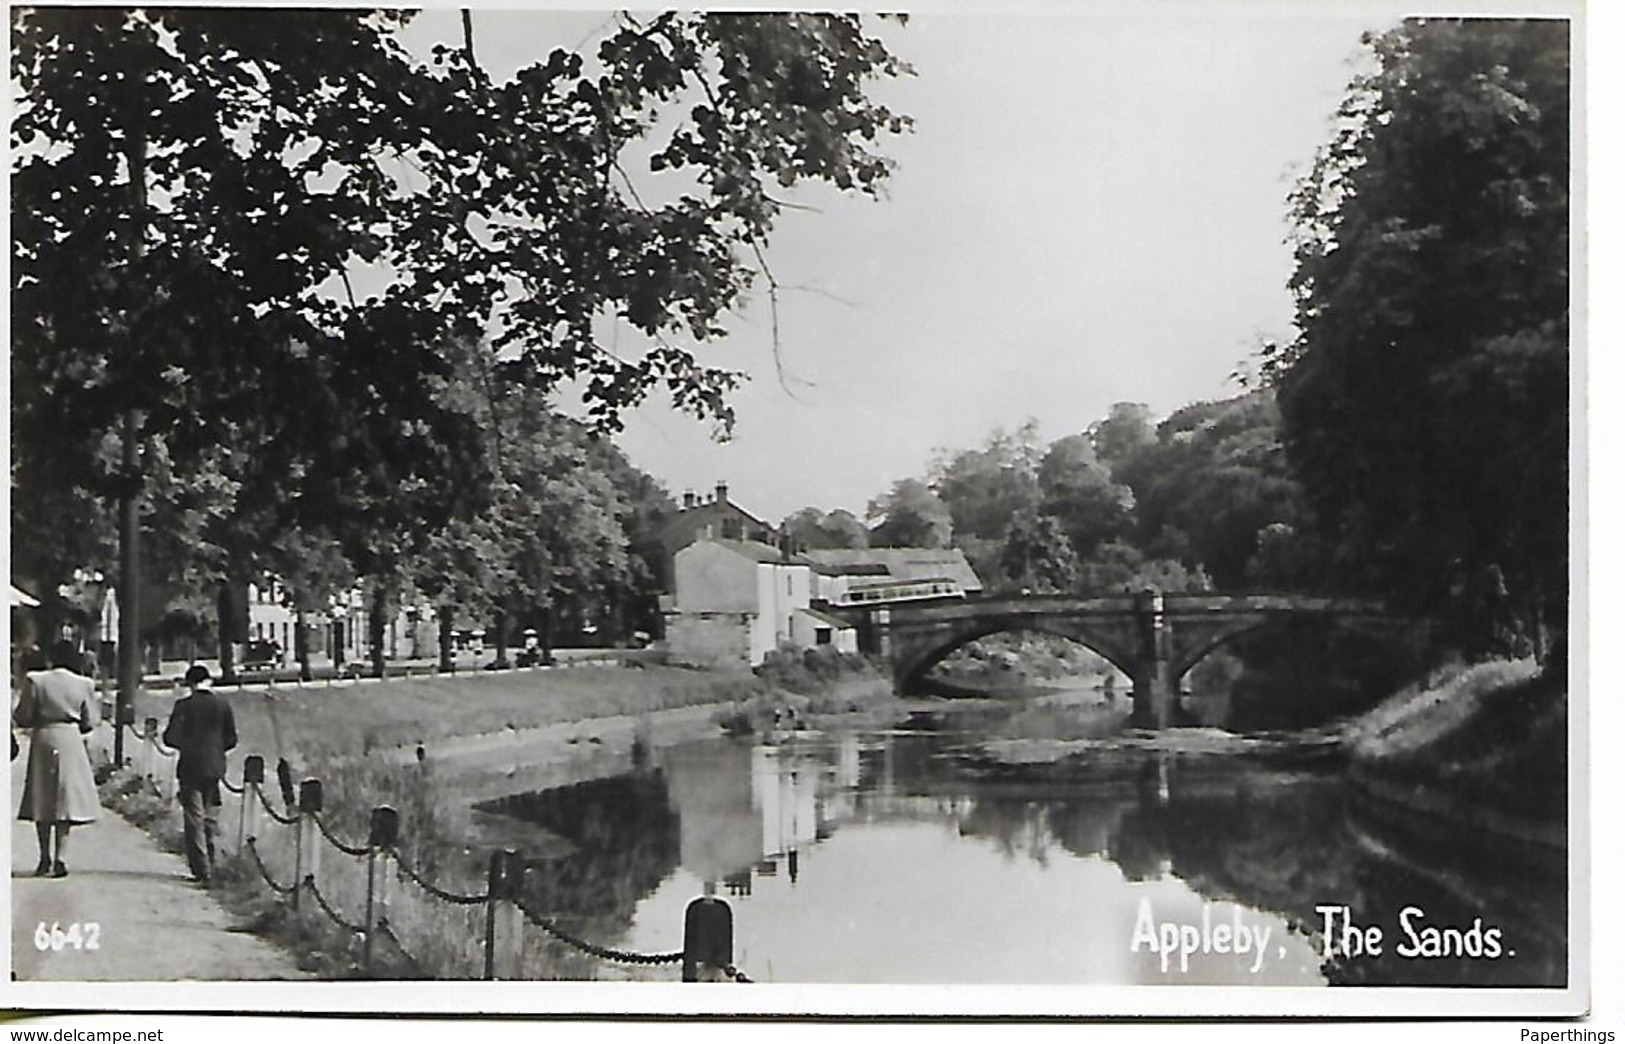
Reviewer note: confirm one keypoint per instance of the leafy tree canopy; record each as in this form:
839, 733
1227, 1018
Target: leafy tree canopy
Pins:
910, 515
1425, 398
194, 189
1214, 477
984, 487
811, 528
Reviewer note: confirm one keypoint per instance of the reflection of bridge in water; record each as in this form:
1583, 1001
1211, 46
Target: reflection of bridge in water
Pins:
1152, 638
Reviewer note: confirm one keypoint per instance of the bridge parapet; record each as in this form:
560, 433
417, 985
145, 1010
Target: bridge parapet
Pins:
1153, 639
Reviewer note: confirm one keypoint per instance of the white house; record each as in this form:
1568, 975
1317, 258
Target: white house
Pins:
734, 601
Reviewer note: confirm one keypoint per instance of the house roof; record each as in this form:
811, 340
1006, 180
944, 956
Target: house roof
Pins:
686, 525
827, 619
874, 569
751, 549
903, 563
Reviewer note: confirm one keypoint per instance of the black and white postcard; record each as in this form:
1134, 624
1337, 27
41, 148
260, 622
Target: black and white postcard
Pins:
1041, 510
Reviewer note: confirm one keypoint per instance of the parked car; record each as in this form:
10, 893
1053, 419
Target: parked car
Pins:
261, 654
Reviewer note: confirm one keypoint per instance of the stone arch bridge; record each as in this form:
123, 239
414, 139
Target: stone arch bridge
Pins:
1153, 638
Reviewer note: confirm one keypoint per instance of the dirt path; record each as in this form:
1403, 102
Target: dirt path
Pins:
151, 922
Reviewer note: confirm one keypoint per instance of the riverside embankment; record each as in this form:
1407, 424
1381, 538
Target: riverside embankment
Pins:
435, 746
1482, 748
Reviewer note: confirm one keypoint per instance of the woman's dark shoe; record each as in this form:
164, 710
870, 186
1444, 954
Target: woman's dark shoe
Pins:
60, 869
44, 867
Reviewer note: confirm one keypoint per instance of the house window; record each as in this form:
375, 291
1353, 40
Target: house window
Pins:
822, 636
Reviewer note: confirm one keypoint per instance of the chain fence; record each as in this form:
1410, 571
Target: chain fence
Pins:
265, 874
603, 953
361, 882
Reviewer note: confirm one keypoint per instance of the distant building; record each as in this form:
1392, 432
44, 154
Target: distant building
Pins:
716, 518
735, 601
877, 575
270, 619
339, 635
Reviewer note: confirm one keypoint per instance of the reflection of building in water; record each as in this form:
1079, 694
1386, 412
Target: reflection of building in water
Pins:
748, 812
710, 789
785, 788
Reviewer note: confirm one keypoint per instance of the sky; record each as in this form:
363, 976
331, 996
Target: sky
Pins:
1091, 209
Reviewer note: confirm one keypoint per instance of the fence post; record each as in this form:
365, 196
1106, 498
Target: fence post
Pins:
503, 927
307, 850
383, 832
708, 938
248, 813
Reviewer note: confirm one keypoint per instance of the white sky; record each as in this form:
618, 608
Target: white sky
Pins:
1091, 209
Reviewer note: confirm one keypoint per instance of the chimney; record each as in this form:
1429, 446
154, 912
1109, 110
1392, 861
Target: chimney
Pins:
689, 500
722, 492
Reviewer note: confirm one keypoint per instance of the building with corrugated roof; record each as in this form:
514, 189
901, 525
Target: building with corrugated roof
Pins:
875, 575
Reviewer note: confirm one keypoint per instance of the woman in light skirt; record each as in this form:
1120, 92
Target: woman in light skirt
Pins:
59, 790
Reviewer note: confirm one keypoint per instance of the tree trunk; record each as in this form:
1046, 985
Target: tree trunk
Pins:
233, 621
301, 644
501, 625
443, 623
376, 613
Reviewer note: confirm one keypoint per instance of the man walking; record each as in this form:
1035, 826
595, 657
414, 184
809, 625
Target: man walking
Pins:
202, 729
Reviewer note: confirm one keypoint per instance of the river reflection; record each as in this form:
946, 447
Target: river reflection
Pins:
871, 856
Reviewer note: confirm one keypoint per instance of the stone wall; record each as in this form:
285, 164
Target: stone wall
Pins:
709, 639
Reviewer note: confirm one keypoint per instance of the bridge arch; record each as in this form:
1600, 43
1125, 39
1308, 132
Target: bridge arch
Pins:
1199, 642
919, 655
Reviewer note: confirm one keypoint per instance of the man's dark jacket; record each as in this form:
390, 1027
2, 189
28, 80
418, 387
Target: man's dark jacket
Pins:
202, 728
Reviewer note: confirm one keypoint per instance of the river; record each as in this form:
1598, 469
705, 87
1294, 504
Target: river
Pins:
885, 855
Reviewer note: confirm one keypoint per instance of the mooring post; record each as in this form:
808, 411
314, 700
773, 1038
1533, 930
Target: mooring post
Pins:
504, 931
383, 831
708, 939
248, 813
307, 857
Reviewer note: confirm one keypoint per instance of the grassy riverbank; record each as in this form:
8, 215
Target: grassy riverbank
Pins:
1485, 746
321, 722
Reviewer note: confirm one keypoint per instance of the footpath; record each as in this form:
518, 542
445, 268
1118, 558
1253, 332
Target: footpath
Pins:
151, 923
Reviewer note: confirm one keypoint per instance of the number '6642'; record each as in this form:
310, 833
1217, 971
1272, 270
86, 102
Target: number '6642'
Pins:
87, 936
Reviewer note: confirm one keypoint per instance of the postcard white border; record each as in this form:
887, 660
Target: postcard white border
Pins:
1596, 31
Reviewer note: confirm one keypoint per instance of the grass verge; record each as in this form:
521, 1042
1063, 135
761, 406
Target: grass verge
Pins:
1487, 743
351, 718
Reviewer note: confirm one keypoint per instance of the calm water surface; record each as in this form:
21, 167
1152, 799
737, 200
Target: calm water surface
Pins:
879, 856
